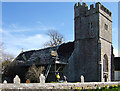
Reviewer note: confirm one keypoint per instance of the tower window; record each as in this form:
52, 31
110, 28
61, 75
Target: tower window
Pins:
91, 26
91, 30
106, 27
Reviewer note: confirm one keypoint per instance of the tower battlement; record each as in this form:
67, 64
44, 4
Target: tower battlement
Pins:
79, 4
82, 9
105, 10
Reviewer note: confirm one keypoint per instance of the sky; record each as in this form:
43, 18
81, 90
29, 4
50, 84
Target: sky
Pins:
25, 24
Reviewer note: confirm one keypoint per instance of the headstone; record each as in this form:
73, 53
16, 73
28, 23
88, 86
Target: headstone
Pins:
82, 79
42, 79
16, 79
5, 81
65, 81
65, 78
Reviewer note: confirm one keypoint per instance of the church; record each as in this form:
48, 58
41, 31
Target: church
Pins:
90, 54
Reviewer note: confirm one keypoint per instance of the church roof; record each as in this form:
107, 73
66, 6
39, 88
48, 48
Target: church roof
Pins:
43, 56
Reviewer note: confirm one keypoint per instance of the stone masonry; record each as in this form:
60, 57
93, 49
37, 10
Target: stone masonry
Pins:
93, 44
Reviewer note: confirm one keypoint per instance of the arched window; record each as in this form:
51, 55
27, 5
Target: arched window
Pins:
105, 63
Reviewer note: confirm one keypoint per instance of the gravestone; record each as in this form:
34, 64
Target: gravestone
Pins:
16, 80
42, 79
82, 79
5, 81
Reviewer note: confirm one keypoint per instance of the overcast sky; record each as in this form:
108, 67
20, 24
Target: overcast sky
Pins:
24, 24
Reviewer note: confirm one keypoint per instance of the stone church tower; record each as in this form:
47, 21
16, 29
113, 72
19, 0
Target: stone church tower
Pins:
93, 44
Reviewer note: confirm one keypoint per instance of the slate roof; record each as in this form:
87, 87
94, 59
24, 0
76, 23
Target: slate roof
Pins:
38, 56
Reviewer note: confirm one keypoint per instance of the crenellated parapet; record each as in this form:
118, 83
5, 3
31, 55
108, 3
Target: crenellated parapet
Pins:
82, 5
82, 10
105, 10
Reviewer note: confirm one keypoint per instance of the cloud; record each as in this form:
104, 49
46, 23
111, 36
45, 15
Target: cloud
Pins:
35, 41
13, 25
0, 34
15, 28
14, 44
17, 38
0, 30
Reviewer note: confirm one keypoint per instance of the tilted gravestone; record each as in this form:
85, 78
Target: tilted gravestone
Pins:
82, 79
42, 79
16, 80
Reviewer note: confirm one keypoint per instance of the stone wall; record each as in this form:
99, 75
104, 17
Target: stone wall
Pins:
106, 50
33, 86
105, 36
83, 61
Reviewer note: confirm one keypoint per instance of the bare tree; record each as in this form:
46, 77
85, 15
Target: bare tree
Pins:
5, 55
5, 58
34, 73
55, 38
